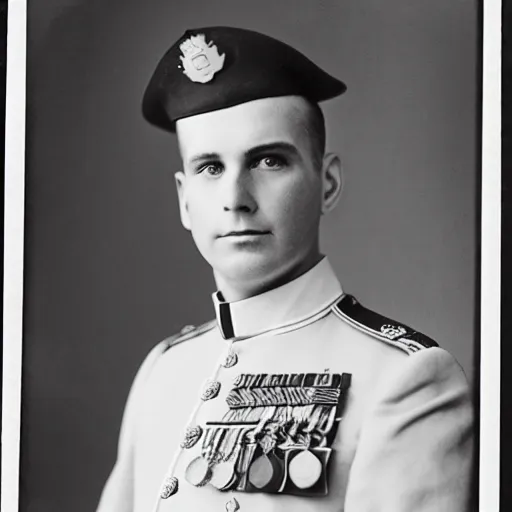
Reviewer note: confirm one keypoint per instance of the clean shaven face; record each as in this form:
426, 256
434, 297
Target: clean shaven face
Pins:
250, 191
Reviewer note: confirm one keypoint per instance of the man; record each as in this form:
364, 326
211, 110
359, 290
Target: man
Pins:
295, 397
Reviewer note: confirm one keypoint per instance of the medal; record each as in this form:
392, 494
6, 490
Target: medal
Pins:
224, 475
266, 473
198, 472
304, 470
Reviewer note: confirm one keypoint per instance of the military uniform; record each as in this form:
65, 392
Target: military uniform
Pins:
392, 413
298, 398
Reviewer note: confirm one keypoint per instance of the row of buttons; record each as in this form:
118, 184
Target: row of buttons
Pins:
193, 432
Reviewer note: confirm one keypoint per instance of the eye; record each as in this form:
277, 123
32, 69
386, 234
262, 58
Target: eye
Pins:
271, 163
211, 169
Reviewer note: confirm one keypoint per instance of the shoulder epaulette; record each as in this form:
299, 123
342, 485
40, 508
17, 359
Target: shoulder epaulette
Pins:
380, 327
188, 332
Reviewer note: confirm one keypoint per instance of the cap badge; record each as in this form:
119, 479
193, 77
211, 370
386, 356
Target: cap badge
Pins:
201, 60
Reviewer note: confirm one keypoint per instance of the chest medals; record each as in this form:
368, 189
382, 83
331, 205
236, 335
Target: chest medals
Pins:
276, 436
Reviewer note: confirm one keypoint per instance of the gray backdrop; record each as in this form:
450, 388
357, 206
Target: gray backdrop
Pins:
109, 270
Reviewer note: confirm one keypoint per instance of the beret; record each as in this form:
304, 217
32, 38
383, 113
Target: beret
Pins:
213, 68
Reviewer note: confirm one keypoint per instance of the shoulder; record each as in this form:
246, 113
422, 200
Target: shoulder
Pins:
423, 371
188, 332
388, 331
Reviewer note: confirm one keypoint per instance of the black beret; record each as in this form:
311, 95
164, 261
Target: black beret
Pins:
219, 67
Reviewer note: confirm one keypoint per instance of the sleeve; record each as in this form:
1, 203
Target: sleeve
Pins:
416, 443
117, 495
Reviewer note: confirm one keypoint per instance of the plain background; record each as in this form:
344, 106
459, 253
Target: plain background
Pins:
109, 271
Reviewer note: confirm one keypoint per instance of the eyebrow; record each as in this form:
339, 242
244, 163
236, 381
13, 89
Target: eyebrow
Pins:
204, 156
273, 146
252, 152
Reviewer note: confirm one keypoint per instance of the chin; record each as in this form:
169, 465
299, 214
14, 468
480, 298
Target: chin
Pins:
247, 267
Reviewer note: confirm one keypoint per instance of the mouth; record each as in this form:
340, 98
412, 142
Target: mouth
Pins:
245, 232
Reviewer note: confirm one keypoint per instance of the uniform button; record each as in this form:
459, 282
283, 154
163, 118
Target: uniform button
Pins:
192, 436
169, 487
211, 390
231, 359
232, 505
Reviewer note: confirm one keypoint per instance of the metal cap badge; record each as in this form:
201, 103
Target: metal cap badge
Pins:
201, 60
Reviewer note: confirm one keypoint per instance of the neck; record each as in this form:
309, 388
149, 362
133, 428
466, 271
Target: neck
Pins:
233, 290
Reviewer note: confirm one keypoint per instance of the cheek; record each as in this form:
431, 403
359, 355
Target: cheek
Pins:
196, 209
199, 201
200, 213
300, 207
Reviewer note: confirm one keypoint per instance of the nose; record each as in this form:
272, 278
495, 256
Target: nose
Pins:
237, 192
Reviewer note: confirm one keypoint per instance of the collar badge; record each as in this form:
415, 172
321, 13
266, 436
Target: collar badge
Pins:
393, 332
201, 60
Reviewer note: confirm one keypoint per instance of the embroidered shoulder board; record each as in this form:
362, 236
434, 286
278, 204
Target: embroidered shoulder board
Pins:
380, 327
188, 332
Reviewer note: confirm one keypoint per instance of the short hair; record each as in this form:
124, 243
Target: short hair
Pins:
309, 116
315, 129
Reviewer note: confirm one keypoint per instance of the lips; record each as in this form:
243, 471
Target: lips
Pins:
246, 232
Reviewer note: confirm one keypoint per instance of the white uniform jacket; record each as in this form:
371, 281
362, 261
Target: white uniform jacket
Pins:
298, 399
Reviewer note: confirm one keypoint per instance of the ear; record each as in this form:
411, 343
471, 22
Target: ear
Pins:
332, 181
180, 187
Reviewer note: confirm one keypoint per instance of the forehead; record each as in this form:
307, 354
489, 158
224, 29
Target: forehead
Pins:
243, 126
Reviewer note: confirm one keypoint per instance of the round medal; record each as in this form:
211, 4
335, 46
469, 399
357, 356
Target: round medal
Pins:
304, 470
223, 476
266, 472
198, 472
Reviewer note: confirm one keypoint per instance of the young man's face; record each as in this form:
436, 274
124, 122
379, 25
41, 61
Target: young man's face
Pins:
251, 193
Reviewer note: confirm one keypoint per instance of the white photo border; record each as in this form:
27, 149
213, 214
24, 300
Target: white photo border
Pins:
14, 214
490, 280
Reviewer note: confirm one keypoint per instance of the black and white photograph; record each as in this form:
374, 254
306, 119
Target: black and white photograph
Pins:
252, 257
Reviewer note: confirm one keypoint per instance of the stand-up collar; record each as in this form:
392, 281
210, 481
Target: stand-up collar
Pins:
286, 305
